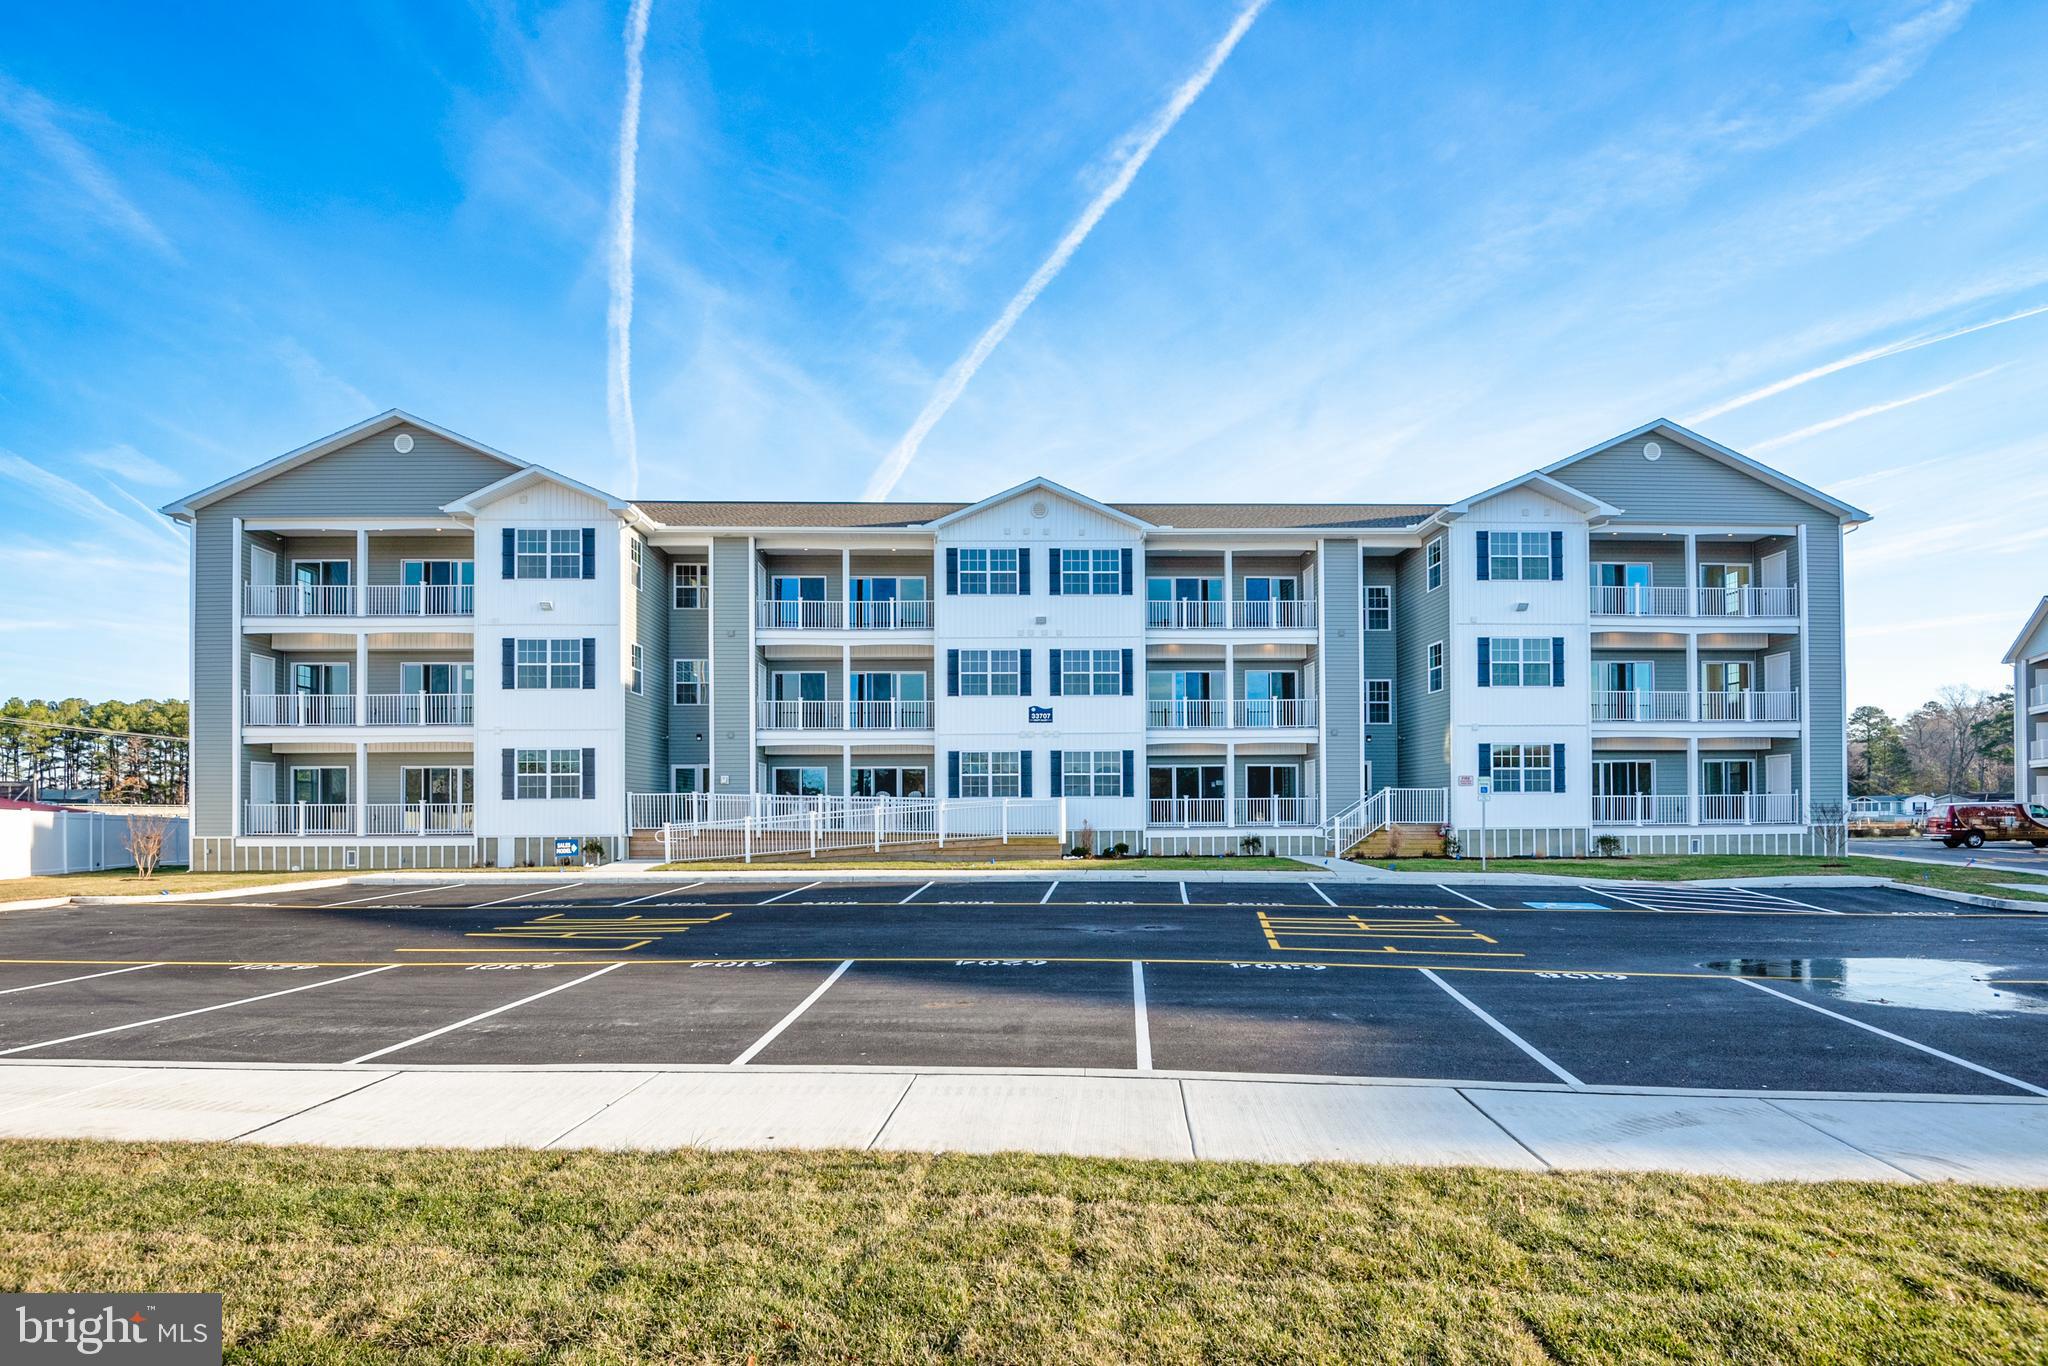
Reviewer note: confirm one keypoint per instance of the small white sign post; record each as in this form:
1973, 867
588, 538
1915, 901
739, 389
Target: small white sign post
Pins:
1485, 796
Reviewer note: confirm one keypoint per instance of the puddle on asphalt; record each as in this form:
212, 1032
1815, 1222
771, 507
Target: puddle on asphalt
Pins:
1912, 983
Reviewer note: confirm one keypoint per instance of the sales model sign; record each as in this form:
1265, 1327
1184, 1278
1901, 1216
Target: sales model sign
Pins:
166, 1330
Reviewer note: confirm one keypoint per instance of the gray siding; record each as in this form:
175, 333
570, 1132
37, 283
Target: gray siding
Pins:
1422, 718
1343, 695
1382, 660
689, 637
647, 712
732, 665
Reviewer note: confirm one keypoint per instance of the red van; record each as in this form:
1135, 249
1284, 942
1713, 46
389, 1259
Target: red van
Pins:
1970, 824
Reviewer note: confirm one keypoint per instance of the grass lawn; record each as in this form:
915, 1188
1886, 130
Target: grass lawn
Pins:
338, 1256
116, 882
1240, 863
1680, 867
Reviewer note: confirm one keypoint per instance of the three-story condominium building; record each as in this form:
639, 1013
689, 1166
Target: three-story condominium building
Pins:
410, 649
2029, 659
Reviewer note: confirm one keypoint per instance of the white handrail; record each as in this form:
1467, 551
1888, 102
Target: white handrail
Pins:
1642, 706
420, 709
1749, 706
298, 818
1185, 713
420, 818
298, 600
1275, 712
892, 614
1276, 811
419, 600
299, 709
785, 614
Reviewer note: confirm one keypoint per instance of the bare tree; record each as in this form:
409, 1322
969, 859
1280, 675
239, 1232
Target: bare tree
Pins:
146, 836
1945, 739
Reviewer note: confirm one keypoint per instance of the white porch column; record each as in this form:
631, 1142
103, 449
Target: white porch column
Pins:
361, 669
846, 770
1230, 785
238, 679
1229, 587
1694, 684
1693, 812
362, 575
1692, 574
846, 585
362, 789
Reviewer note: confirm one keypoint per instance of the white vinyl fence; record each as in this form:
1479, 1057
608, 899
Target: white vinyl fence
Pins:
40, 843
826, 824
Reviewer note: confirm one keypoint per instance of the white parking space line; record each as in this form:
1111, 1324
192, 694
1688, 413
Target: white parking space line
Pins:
544, 891
183, 1014
791, 892
1462, 897
87, 977
1321, 893
1183, 898
1978, 1068
914, 895
670, 891
1049, 891
402, 891
485, 1015
1604, 891
1783, 900
1517, 1040
786, 1021
1144, 1024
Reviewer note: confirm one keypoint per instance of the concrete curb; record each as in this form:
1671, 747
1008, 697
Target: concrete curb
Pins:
39, 904
1950, 863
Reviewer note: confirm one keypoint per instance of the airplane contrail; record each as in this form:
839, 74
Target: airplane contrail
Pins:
892, 468
1861, 357
619, 314
1873, 410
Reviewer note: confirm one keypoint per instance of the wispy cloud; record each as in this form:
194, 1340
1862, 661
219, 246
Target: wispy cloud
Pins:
619, 314
1776, 387
35, 118
123, 461
81, 502
1141, 143
1844, 419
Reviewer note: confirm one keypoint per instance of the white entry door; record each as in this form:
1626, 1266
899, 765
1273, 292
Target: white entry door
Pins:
1778, 673
1777, 773
1771, 570
262, 783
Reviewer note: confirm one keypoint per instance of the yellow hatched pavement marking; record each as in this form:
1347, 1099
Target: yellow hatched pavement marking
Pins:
1287, 933
622, 933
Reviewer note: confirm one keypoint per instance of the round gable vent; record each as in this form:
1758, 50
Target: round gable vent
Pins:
402, 443
1039, 509
1652, 451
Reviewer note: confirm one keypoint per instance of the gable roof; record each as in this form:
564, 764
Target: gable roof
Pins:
185, 507
1039, 484
1554, 489
1160, 516
1714, 450
2019, 642
468, 504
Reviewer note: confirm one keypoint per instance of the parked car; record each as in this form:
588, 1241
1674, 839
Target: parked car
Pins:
1970, 824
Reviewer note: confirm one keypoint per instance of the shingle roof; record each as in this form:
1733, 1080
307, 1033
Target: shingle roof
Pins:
882, 516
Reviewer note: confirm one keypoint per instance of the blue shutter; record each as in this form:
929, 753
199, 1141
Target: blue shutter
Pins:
1052, 671
1023, 673
590, 552
511, 788
511, 666
1486, 761
589, 774
1130, 772
1127, 673
952, 572
1052, 570
1024, 772
953, 773
1485, 561
1557, 768
1127, 576
1557, 557
1486, 661
952, 672
508, 552
1056, 770
1557, 661
1024, 571
589, 662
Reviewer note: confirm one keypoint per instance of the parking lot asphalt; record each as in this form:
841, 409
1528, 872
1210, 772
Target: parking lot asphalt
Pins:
1863, 990
2024, 858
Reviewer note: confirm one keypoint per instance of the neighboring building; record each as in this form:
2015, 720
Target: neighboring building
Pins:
2029, 659
413, 650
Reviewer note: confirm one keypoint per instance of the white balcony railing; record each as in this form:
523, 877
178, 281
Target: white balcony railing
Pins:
1274, 614
420, 709
903, 715
298, 600
1642, 706
420, 600
1673, 600
298, 818
1185, 713
1186, 615
1641, 809
803, 716
419, 818
2037, 752
781, 615
2037, 696
1186, 811
1749, 706
1750, 808
1276, 811
1288, 713
299, 709
899, 614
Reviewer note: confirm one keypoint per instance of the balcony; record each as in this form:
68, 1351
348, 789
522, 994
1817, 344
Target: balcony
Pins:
2037, 696
298, 818
419, 818
2037, 752
298, 600
1274, 713
339, 709
1184, 812
1276, 811
342, 600
866, 716
1641, 600
900, 614
339, 818
1186, 713
1750, 808
1714, 708
419, 600
1263, 614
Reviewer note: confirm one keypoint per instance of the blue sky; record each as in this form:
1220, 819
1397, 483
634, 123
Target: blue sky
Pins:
1388, 253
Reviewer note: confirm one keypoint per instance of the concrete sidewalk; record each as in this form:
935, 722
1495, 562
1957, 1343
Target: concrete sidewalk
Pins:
1801, 1137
